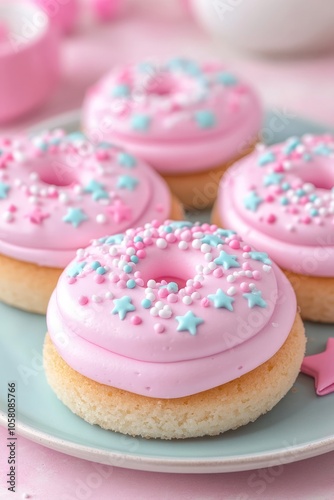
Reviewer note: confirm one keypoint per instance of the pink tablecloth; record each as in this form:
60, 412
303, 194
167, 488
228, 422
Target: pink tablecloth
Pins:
304, 87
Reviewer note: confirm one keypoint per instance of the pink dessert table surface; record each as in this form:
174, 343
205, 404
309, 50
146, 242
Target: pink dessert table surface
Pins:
304, 87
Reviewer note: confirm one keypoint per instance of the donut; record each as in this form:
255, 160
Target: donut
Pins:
172, 331
282, 198
57, 192
189, 120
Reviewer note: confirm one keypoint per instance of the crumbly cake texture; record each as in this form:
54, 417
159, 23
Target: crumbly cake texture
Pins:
188, 119
211, 412
57, 192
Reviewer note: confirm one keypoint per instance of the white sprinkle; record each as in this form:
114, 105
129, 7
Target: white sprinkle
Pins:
205, 248
199, 268
187, 300
109, 295
249, 274
63, 198
80, 253
151, 283
101, 218
77, 189
183, 245
150, 296
8, 216
113, 251
266, 268
130, 251
96, 298
245, 255
208, 257
252, 286
195, 295
159, 304
230, 278
206, 270
18, 182
154, 311
196, 244
198, 234
165, 313
161, 243
232, 290
308, 187
33, 200
33, 176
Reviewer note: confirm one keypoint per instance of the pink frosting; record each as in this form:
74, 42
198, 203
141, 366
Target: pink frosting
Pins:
281, 198
170, 310
179, 116
57, 192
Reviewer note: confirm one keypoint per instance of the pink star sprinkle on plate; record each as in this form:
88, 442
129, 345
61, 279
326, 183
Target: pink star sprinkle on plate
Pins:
321, 367
37, 216
120, 211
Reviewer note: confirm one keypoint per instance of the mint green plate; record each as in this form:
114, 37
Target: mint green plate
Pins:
300, 426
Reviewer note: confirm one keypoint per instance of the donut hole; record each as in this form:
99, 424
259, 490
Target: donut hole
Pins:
321, 177
56, 173
181, 283
162, 85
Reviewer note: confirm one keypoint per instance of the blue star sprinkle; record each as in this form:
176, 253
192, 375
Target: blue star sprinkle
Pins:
205, 118
255, 299
121, 90
75, 269
220, 299
272, 179
261, 256
127, 182
186, 65
97, 190
141, 123
123, 306
126, 160
322, 149
212, 240
291, 145
252, 201
188, 322
227, 79
4, 188
265, 158
75, 216
226, 260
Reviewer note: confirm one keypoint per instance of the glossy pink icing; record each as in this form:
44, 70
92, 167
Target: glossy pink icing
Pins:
57, 192
321, 367
179, 116
126, 324
282, 199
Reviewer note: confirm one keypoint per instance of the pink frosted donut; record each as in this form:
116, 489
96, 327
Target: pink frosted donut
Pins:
58, 191
282, 198
187, 119
169, 311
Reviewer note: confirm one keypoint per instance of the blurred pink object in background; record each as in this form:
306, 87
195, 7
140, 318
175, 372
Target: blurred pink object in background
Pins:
105, 10
63, 13
3, 32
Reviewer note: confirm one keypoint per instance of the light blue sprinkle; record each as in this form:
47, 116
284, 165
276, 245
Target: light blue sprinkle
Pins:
127, 182
300, 192
180, 224
227, 79
141, 123
284, 200
265, 158
76, 269
75, 136
134, 259
322, 149
252, 201
272, 179
95, 265
205, 118
138, 239
307, 157
291, 145
127, 268
131, 283
313, 197
126, 160
172, 287
146, 303
185, 65
101, 270
121, 90
116, 239
285, 186
123, 306
314, 212
168, 229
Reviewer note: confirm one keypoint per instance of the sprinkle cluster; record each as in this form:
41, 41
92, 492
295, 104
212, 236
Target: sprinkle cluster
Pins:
226, 272
53, 168
286, 183
175, 92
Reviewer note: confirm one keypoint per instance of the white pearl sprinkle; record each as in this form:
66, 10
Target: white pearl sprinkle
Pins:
230, 278
212, 266
165, 313
195, 295
101, 218
33, 200
150, 296
113, 251
187, 300
154, 311
183, 245
252, 286
232, 290
109, 295
205, 248
266, 268
151, 283
33, 176
96, 298
161, 243
8, 216
159, 304
208, 257
196, 244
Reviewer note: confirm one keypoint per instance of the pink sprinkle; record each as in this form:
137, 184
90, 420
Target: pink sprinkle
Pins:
205, 302
189, 290
269, 198
139, 245
121, 284
170, 237
306, 219
71, 280
234, 244
186, 236
159, 208
303, 200
83, 300
12, 208
136, 320
218, 273
102, 155
148, 241
162, 293
159, 328
137, 274
139, 282
141, 254
172, 297
279, 168
197, 285
246, 248
271, 218
293, 210
244, 287
246, 266
113, 277
256, 275
98, 278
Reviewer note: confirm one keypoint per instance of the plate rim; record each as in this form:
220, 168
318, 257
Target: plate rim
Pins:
171, 464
